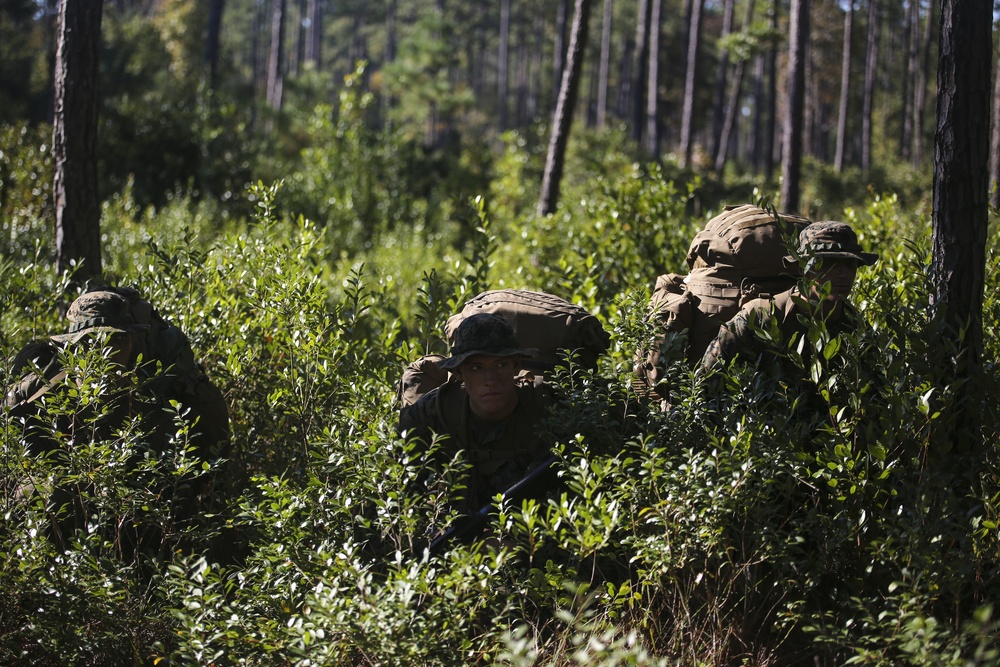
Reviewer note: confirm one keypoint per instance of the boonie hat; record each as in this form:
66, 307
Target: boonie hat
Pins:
484, 333
830, 238
98, 312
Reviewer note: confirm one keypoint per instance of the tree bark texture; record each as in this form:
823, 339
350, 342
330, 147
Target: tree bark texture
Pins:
652, 135
791, 161
995, 141
605, 65
845, 88
563, 116
961, 170
74, 140
276, 62
690, 77
871, 63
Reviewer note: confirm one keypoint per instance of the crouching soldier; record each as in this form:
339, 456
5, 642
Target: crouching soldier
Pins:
154, 409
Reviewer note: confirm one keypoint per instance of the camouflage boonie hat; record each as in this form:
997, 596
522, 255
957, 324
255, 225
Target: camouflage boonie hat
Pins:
830, 238
99, 312
484, 333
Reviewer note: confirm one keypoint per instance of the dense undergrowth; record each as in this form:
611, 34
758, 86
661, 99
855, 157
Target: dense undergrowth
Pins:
733, 529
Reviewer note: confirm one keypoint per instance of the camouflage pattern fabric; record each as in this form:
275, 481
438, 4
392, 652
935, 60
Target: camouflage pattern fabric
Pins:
499, 453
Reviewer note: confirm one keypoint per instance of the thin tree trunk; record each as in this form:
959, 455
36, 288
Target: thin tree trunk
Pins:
602, 75
390, 32
502, 76
770, 145
995, 141
845, 88
641, 70
758, 112
652, 138
733, 103
74, 140
559, 53
276, 63
314, 47
791, 161
721, 74
215, 10
871, 62
687, 113
563, 116
910, 79
920, 99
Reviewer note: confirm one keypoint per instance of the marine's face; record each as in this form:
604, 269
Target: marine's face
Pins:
839, 274
489, 382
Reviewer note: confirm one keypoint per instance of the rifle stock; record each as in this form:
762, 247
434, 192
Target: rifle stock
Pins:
537, 482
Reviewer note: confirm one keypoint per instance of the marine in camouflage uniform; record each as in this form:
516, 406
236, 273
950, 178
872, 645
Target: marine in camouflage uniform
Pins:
132, 393
832, 255
489, 410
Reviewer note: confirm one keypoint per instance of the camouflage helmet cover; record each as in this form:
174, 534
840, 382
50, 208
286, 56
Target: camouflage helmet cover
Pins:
483, 333
830, 238
99, 312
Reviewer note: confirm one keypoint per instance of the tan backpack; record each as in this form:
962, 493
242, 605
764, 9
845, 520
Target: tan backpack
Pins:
548, 323
738, 256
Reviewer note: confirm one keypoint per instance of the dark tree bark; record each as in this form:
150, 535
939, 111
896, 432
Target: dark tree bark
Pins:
960, 219
314, 46
721, 75
276, 63
563, 116
770, 145
910, 79
640, 72
605, 66
791, 160
690, 78
652, 137
845, 88
995, 141
390, 32
74, 140
559, 53
871, 63
961, 170
920, 98
733, 103
215, 10
504, 40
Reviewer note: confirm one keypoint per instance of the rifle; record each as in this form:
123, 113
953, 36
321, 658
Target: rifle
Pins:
537, 482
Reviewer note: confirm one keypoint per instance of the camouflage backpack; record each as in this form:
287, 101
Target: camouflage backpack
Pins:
540, 320
738, 256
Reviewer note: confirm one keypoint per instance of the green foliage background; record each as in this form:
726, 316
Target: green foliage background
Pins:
726, 531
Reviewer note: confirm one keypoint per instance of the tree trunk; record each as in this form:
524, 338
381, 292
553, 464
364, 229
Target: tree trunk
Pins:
314, 47
995, 141
910, 78
733, 103
390, 32
687, 113
652, 138
215, 10
640, 71
276, 63
871, 62
845, 88
563, 116
758, 111
920, 99
502, 77
770, 146
74, 140
602, 75
958, 257
791, 160
559, 52
721, 74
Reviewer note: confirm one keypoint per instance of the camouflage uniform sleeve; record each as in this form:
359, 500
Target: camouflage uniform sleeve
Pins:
419, 420
734, 339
